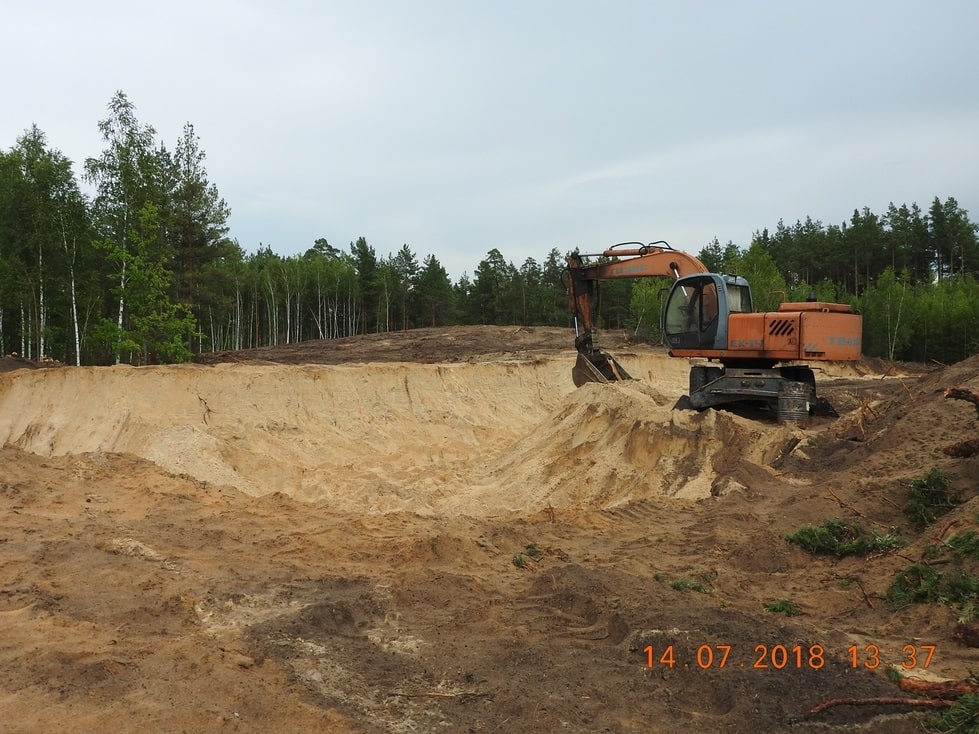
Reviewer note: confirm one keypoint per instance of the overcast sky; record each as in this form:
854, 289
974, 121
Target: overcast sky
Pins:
457, 127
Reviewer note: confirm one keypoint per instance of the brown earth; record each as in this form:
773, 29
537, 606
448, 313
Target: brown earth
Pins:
435, 531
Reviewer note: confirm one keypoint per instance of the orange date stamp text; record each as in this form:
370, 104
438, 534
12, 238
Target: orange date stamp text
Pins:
781, 657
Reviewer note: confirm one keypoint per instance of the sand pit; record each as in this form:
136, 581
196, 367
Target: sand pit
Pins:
479, 439
451, 538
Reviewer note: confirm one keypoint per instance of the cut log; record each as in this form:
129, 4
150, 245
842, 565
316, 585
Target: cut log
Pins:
939, 689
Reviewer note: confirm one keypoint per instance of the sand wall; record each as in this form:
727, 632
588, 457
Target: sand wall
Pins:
479, 438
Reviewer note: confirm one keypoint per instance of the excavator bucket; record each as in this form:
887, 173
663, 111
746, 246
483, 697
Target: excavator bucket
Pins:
597, 367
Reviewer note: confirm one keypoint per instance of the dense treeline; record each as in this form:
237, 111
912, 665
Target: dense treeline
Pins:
142, 269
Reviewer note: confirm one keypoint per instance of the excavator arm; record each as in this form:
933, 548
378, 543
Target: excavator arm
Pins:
627, 260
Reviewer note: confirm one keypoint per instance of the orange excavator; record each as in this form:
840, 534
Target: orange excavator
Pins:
743, 356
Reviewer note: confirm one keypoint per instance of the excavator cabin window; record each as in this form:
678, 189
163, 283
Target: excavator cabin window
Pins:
692, 306
738, 298
692, 311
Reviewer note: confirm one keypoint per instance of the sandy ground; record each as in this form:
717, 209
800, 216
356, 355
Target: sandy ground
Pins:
435, 531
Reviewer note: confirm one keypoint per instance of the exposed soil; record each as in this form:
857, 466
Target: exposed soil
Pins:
435, 531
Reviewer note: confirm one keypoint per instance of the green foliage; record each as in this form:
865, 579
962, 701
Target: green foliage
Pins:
768, 287
783, 606
645, 307
887, 305
530, 553
963, 716
838, 538
930, 497
920, 583
915, 584
684, 584
965, 544
433, 294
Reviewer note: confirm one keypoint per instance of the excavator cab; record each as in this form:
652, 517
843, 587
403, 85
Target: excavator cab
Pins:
697, 308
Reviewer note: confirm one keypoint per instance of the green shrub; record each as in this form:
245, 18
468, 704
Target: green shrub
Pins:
838, 538
962, 717
914, 584
783, 606
965, 544
919, 583
832, 538
683, 584
930, 497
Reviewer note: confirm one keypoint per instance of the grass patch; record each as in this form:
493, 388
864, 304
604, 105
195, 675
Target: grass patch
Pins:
530, 553
684, 584
783, 606
930, 497
838, 538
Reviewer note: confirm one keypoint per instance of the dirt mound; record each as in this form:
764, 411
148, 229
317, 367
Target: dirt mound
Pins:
898, 428
429, 346
13, 362
609, 445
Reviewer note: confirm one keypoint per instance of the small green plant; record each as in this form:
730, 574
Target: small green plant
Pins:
839, 538
532, 550
783, 606
684, 584
930, 497
967, 613
886, 542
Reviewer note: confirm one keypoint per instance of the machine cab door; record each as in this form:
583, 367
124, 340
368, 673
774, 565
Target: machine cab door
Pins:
696, 311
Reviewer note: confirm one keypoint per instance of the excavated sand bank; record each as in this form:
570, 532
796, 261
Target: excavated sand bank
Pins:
471, 438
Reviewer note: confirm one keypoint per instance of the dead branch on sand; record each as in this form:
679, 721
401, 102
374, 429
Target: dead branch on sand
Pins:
878, 701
